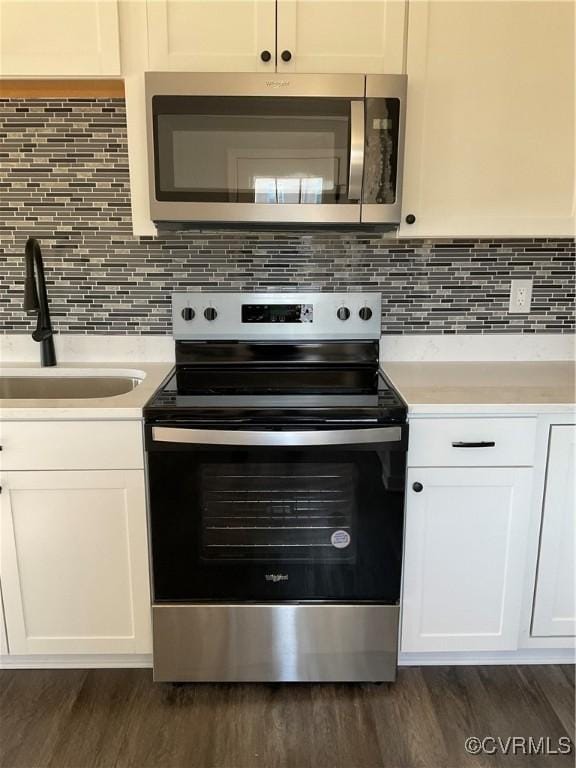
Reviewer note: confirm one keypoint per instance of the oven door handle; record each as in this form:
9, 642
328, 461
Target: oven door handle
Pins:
276, 438
356, 169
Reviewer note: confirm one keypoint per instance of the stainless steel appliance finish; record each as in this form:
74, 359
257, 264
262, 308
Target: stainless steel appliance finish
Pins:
325, 316
255, 213
357, 118
275, 643
276, 471
254, 84
231, 437
362, 205
376, 213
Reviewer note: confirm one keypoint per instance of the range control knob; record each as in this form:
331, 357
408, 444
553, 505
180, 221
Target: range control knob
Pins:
365, 313
188, 313
343, 313
210, 313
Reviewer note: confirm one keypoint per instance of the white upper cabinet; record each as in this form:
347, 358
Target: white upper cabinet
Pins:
314, 35
555, 598
212, 35
490, 120
364, 36
53, 38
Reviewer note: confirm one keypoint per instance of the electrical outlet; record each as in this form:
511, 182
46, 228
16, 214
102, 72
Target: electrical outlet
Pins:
520, 296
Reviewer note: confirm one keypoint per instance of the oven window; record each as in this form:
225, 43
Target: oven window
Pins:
281, 512
257, 523
251, 149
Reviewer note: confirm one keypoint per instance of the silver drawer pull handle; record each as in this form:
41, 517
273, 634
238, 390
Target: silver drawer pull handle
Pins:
482, 444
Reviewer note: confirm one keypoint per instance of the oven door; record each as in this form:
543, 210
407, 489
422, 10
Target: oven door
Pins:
247, 148
276, 515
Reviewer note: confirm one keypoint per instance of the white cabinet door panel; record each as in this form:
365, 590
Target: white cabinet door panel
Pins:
74, 562
211, 35
3, 638
490, 119
364, 36
464, 558
555, 599
59, 38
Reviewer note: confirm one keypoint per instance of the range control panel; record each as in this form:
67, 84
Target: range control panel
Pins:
275, 316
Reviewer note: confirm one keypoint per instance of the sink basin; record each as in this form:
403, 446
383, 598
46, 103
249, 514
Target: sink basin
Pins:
18, 387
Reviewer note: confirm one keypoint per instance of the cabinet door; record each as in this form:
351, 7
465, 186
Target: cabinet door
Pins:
555, 599
364, 36
74, 562
3, 640
211, 35
59, 38
490, 119
464, 558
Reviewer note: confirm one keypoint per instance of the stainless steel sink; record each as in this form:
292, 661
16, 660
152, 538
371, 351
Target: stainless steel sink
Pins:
64, 387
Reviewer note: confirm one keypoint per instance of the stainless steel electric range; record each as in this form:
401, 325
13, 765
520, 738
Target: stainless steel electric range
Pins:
276, 466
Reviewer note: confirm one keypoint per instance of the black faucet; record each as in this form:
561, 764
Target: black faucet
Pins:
36, 302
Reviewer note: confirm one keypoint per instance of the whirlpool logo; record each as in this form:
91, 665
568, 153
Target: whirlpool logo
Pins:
277, 83
276, 577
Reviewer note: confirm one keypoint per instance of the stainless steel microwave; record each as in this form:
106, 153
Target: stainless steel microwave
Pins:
273, 149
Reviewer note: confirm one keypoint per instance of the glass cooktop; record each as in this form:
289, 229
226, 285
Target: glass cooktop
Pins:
267, 396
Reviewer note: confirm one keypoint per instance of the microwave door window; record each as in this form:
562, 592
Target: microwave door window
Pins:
288, 190
287, 175
252, 150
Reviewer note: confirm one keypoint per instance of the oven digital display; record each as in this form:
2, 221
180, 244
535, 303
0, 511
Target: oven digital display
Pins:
277, 313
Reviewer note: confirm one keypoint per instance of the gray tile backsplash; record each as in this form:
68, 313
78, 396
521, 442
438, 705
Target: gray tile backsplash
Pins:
64, 179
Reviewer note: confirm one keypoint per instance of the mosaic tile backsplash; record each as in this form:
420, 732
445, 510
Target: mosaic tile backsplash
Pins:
64, 179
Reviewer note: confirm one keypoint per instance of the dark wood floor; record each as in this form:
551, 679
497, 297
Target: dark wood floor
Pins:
117, 718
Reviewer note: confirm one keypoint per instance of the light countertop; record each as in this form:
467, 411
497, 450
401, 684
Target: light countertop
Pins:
499, 388
125, 406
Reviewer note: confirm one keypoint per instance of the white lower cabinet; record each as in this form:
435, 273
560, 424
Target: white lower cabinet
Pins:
555, 597
464, 560
74, 562
3, 640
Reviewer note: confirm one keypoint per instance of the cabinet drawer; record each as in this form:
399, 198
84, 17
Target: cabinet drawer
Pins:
30, 445
471, 442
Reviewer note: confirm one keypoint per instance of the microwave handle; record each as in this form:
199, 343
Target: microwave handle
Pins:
356, 170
